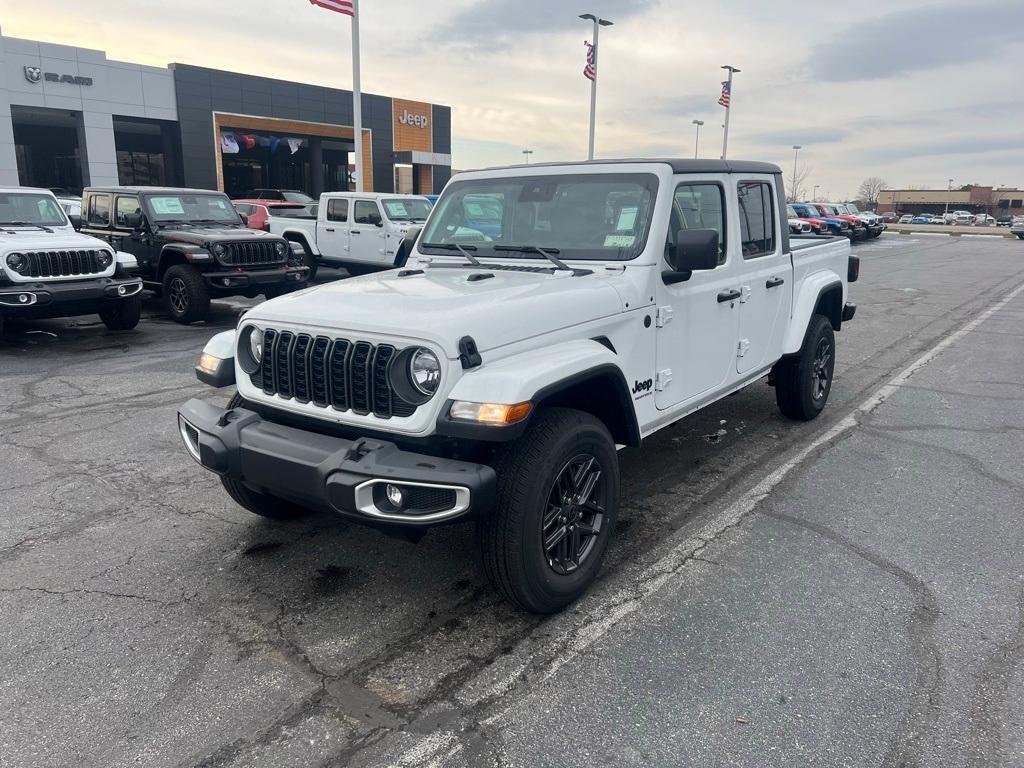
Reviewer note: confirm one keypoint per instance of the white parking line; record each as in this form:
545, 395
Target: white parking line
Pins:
601, 614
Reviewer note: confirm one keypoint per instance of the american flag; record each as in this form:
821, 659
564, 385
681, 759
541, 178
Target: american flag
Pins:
341, 6
724, 98
589, 71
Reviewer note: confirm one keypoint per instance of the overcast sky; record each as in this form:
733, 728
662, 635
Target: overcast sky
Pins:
915, 92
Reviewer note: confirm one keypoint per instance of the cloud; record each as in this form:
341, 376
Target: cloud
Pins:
918, 39
800, 135
966, 145
502, 21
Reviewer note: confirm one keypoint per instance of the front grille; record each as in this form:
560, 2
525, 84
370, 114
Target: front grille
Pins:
338, 373
252, 254
63, 263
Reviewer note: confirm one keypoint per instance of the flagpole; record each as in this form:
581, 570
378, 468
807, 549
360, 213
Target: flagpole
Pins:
728, 111
598, 23
357, 99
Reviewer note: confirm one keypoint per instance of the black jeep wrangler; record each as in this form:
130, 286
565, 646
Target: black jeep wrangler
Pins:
191, 246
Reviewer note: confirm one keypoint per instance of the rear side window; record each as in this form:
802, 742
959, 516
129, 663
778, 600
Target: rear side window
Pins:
99, 210
126, 206
337, 209
757, 220
700, 206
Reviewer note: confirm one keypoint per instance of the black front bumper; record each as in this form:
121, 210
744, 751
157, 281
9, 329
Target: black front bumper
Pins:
329, 473
64, 299
241, 278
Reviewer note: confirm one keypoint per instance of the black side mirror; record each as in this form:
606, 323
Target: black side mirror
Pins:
377, 221
405, 247
693, 249
244, 218
76, 220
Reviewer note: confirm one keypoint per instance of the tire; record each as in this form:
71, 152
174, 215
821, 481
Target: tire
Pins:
803, 381
309, 259
123, 315
185, 294
559, 444
261, 504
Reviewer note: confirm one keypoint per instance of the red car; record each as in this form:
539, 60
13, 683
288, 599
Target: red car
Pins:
256, 212
860, 232
818, 226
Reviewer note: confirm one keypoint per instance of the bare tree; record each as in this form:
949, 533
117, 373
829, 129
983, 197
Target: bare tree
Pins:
870, 189
798, 185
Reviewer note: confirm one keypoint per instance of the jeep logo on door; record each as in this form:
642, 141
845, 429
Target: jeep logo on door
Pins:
408, 118
35, 74
642, 387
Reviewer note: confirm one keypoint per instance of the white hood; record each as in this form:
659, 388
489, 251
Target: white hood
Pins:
57, 239
442, 305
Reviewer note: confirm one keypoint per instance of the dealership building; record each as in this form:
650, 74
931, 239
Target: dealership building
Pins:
71, 118
995, 201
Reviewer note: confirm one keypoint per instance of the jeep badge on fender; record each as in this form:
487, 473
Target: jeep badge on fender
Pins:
357, 398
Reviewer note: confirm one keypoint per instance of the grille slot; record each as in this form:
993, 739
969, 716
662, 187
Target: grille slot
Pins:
63, 263
423, 500
338, 373
252, 254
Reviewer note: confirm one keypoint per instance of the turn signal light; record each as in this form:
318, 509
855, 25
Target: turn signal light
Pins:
495, 414
209, 363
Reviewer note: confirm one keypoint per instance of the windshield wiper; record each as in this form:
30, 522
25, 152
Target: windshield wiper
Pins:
464, 250
167, 222
24, 224
547, 253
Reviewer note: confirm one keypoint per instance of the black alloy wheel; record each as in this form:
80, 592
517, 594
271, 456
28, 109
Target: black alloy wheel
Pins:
575, 514
821, 369
177, 295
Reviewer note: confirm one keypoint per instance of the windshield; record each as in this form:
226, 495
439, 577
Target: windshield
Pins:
191, 207
851, 208
31, 208
805, 211
406, 209
791, 212
584, 216
296, 197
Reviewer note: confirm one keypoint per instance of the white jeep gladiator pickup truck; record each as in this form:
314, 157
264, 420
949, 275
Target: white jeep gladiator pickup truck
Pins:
495, 375
47, 269
362, 232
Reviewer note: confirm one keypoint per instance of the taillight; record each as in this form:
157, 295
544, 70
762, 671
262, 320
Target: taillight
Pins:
853, 269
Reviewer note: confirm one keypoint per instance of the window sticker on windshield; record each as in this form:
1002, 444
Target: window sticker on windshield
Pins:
627, 218
222, 204
618, 241
474, 209
164, 206
397, 210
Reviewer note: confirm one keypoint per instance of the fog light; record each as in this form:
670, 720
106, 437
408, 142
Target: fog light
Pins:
122, 290
24, 298
226, 281
394, 495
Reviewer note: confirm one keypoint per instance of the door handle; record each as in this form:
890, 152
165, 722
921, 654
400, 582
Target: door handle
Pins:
775, 282
732, 295
355, 231
328, 229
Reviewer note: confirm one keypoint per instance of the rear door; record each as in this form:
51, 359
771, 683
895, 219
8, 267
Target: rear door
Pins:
367, 241
766, 276
696, 320
332, 229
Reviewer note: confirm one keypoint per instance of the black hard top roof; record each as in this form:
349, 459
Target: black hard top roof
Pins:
142, 190
678, 165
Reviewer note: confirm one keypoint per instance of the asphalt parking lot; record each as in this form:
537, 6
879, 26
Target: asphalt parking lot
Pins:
847, 592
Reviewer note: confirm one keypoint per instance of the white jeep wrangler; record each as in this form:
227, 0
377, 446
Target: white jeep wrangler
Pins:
495, 375
47, 269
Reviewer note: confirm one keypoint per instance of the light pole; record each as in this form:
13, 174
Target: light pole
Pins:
598, 23
728, 109
796, 152
814, 195
949, 188
527, 153
696, 142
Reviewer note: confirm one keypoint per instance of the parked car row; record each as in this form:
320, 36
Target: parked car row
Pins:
959, 218
840, 219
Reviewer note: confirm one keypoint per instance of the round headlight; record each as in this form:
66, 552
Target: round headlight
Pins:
281, 249
17, 261
425, 371
105, 258
220, 250
256, 344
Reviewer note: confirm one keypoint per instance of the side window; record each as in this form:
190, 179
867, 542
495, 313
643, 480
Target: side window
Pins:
757, 220
99, 210
700, 206
124, 208
337, 209
366, 212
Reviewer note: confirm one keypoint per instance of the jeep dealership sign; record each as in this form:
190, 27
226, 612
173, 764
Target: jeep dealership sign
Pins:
35, 74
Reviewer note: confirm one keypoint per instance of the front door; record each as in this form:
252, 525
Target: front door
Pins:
766, 277
697, 321
368, 235
332, 230
130, 238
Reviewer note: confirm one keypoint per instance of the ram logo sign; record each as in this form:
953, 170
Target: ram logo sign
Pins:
35, 74
408, 118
